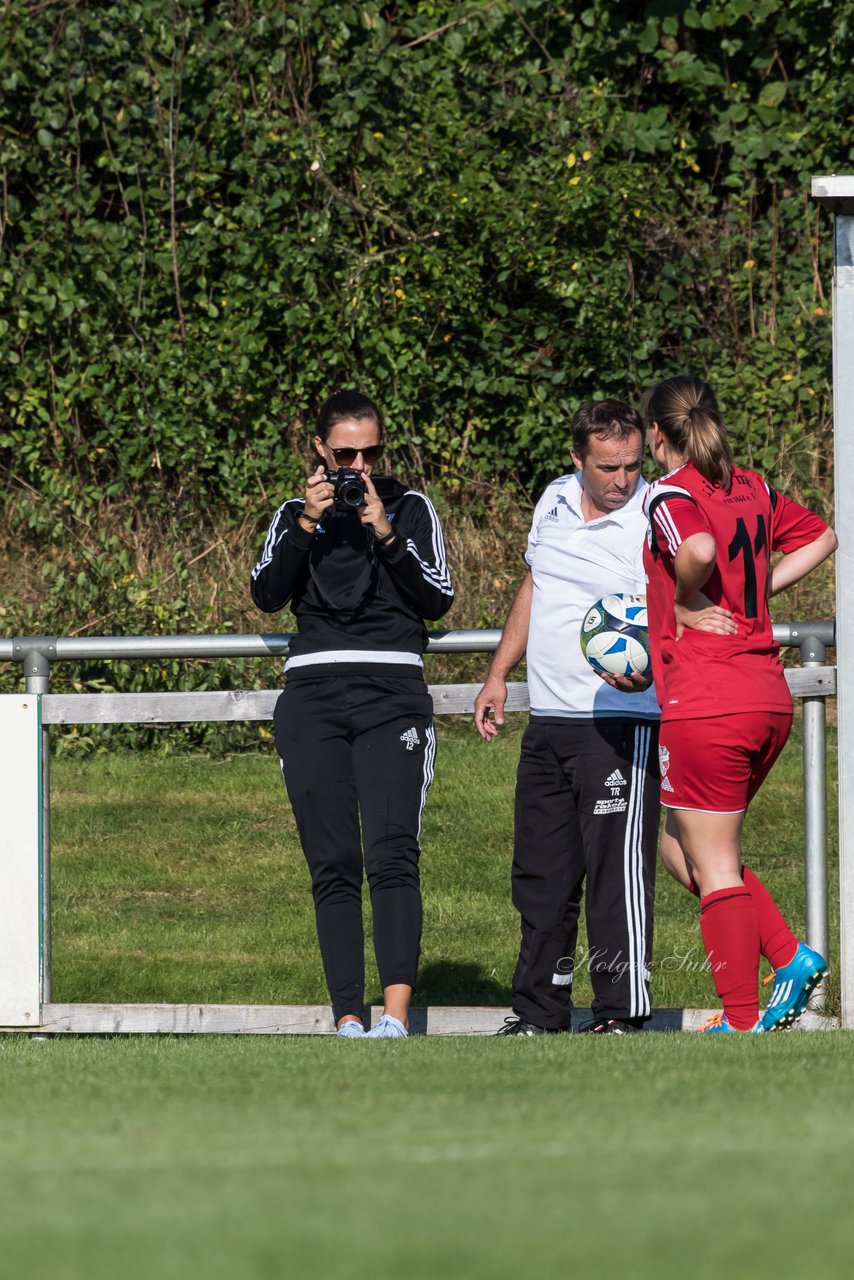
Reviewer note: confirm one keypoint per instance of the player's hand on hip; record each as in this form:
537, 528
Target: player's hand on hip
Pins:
492, 697
699, 614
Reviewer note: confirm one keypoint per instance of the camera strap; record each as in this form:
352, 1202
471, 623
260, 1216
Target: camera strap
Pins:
344, 568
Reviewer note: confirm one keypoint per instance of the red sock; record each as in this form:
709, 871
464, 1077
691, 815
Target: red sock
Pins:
731, 937
776, 941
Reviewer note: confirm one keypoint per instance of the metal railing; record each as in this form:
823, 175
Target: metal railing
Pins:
812, 682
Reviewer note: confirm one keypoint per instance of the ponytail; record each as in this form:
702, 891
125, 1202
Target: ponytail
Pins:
687, 412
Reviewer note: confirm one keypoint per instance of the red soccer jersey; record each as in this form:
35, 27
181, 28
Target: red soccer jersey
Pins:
703, 674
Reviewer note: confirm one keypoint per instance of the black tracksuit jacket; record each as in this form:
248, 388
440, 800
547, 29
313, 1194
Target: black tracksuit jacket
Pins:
350, 595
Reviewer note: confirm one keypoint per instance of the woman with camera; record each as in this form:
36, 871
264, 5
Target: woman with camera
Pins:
361, 561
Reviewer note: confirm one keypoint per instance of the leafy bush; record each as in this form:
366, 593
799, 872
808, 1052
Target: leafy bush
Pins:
214, 211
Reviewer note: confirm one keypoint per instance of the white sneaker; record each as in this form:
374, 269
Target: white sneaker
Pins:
388, 1028
351, 1031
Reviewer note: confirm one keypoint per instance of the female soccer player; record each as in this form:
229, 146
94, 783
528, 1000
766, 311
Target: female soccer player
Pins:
354, 725
726, 710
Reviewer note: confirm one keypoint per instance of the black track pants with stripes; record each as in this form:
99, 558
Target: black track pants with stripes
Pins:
359, 748
586, 810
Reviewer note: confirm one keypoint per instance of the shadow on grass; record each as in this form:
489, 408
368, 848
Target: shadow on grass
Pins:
454, 983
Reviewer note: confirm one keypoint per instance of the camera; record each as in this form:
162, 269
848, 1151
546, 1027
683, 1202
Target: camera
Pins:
348, 485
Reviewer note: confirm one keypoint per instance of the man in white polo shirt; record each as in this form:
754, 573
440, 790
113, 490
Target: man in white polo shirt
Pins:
587, 784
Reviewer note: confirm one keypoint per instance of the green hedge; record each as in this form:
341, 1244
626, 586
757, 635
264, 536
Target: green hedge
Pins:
211, 214
482, 213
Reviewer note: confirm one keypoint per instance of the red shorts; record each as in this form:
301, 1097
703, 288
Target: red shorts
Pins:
718, 765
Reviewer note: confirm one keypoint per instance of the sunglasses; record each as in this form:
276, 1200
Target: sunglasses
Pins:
346, 457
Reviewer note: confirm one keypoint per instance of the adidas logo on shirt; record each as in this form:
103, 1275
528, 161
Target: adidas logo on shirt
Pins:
615, 780
411, 738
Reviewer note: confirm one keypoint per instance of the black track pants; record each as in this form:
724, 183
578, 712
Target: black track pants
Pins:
351, 747
586, 808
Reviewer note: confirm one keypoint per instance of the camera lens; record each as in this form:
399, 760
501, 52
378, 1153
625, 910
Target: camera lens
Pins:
352, 493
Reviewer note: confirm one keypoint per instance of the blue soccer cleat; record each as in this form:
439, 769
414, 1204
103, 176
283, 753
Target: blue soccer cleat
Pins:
718, 1022
793, 986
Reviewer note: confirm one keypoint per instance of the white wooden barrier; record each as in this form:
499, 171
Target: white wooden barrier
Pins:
25, 1002
20, 860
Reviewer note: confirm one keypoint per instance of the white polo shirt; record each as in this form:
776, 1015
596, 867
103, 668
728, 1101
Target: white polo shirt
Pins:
574, 563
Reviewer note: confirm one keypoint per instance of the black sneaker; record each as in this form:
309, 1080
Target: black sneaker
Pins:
611, 1027
519, 1027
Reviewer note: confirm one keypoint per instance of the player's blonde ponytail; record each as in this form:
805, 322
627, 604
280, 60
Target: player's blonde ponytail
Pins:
687, 412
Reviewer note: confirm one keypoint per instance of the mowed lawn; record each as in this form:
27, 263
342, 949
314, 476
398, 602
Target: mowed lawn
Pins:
180, 878
664, 1156
167, 1158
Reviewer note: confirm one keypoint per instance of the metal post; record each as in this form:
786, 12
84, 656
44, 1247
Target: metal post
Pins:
36, 657
813, 640
836, 193
814, 654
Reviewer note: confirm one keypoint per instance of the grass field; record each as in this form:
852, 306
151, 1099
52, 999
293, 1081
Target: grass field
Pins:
662, 1156
665, 1156
180, 878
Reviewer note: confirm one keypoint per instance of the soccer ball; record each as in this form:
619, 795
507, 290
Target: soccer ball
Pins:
614, 636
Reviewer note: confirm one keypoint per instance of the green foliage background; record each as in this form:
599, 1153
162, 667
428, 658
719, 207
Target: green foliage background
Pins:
482, 213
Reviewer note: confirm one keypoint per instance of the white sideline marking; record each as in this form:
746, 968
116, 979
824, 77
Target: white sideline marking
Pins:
724, 1141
